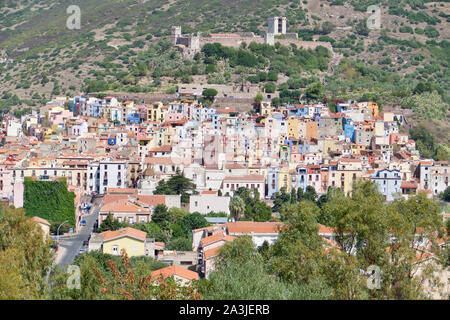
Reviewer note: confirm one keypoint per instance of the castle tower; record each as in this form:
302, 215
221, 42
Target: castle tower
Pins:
176, 33
273, 25
283, 25
277, 25
269, 39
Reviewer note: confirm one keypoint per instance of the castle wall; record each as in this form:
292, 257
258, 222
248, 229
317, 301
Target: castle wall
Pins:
235, 42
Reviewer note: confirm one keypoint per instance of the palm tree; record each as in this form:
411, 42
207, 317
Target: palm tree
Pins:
237, 207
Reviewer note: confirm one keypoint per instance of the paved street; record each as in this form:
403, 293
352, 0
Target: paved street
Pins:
71, 245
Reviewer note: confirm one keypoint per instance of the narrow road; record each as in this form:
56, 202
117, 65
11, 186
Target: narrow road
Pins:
73, 244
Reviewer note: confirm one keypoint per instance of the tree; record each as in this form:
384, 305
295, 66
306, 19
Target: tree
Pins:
297, 256
327, 27
25, 258
270, 87
154, 231
310, 194
161, 216
300, 194
241, 275
180, 244
361, 28
365, 226
446, 195
193, 221
259, 212
111, 224
293, 196
237, 207
209, 94
314, 91
120, 278
259, 98
177, 184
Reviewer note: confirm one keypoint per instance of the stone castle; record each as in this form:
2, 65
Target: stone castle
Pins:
190, 44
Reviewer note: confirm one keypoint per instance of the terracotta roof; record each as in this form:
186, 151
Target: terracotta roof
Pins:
326, 230
122, 190
125, 232
248, 177
175, 270
40, 220
214, 238
255, 227
409, 185
209, 192
161, 244
166, 160
122, 205
164, 148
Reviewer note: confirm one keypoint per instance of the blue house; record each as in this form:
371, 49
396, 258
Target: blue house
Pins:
111, 141
302, 174
133, 118
349, 129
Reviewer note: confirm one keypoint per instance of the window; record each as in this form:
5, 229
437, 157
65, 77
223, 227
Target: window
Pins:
115, 249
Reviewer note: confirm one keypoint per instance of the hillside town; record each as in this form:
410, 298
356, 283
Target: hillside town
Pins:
114, 154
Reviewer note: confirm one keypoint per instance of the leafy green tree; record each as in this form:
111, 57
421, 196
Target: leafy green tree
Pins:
237, 207
161, 215
259, 98
241, 275
298, 257
446, 195
361, 28
209, 94
111, 224
365, 224
180, 244
270, 87
25, 258
119, 278
300, 194
154, 231
177, 184
310, 194
314, 91
193, 221
259, 212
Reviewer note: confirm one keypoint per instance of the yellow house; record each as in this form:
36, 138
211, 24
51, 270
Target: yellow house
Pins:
328, 146
266, 109
349, 170
131, 240
283, 178
157, 113
293, 127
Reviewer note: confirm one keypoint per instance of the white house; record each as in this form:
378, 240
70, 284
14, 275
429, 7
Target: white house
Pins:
208, 201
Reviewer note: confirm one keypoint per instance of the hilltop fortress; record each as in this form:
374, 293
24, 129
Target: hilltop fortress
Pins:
190, 44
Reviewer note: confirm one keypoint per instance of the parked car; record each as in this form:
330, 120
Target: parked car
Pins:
81, 251
83, 222
85, 243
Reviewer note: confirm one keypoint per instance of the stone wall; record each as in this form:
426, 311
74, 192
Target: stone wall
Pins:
235, 42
